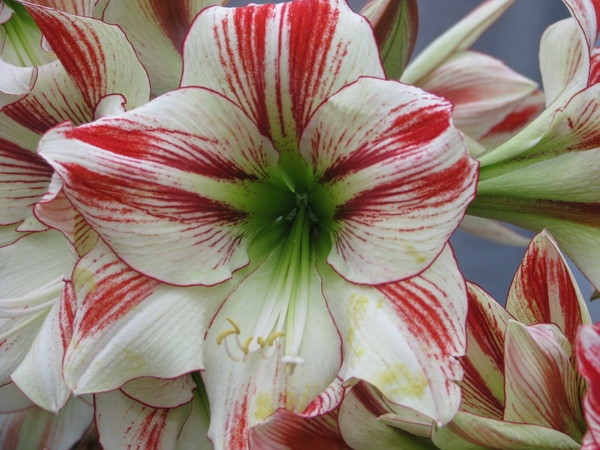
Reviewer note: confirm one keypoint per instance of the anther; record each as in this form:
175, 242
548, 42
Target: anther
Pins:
274, 336
261, 341
234, 325
246, 347
223, 335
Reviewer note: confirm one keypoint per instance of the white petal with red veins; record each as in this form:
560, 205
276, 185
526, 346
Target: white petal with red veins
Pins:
244, 393
542, 388
483, 90
185, 183
588, 360
279, 62
397, 175
125, 423
125, 322
403, 337
545, 291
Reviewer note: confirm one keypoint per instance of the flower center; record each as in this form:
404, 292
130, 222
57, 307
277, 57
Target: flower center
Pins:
284, 310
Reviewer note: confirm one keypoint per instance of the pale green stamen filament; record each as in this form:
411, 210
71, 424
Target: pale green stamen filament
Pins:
283, 314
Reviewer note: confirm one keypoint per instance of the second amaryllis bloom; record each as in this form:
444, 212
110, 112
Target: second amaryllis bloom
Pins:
297, 204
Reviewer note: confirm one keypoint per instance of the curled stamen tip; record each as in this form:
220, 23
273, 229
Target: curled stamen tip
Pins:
260, 341
223, 335
246, 347
234, 325
274, 336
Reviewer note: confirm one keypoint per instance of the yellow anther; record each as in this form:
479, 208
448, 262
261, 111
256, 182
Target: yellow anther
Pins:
260, 341
274, 336
234, 325
246, 347
224, 334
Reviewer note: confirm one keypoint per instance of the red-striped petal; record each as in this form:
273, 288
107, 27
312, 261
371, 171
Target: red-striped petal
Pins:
545, 291
588, 360
397, 174
197, 168
279, 62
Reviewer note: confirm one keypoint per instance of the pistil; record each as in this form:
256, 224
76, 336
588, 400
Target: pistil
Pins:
283, 313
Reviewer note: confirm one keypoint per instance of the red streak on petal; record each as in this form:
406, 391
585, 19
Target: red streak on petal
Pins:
66, 313
175, 149
113, 297
237, 425
369, 402
173, 20
78, 48
515, 120
151, 429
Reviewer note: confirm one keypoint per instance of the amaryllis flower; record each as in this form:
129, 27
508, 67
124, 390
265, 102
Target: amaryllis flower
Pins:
491, 101
546, 175
588, 363
521, 387
279, 221
36, 304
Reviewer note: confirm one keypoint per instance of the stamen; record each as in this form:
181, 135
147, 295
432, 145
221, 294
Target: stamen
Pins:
234, 358
223, 335
246, 347
234, 325
274, 336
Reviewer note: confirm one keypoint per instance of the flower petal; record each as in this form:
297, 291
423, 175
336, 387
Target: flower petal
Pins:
397, 175
124, 325
361, 429
395, 25
471, 432
545, 291
37, 428
158, 393
524, 113
40, 375
483, 89
156, 30
196, 168
588, 364
460, 37
245, 393
391, 338
541, 386
124, 423
285, 430
483, 384
279, 62
100, 60
492, 230
28, 291
12, 399
15, 82
564, 61
24, 179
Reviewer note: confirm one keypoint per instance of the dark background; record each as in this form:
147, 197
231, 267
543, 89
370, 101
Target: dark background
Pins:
515, 39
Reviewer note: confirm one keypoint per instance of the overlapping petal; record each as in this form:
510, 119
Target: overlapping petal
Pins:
397, 177
28, 293
588, 349
544, 290
189, 184
541, 384
245, 394
124, 326
403, 337
279, 62
157, 30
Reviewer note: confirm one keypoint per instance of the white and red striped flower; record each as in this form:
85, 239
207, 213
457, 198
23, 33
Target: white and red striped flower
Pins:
287, 207
521, 388
546, 176
92, 63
